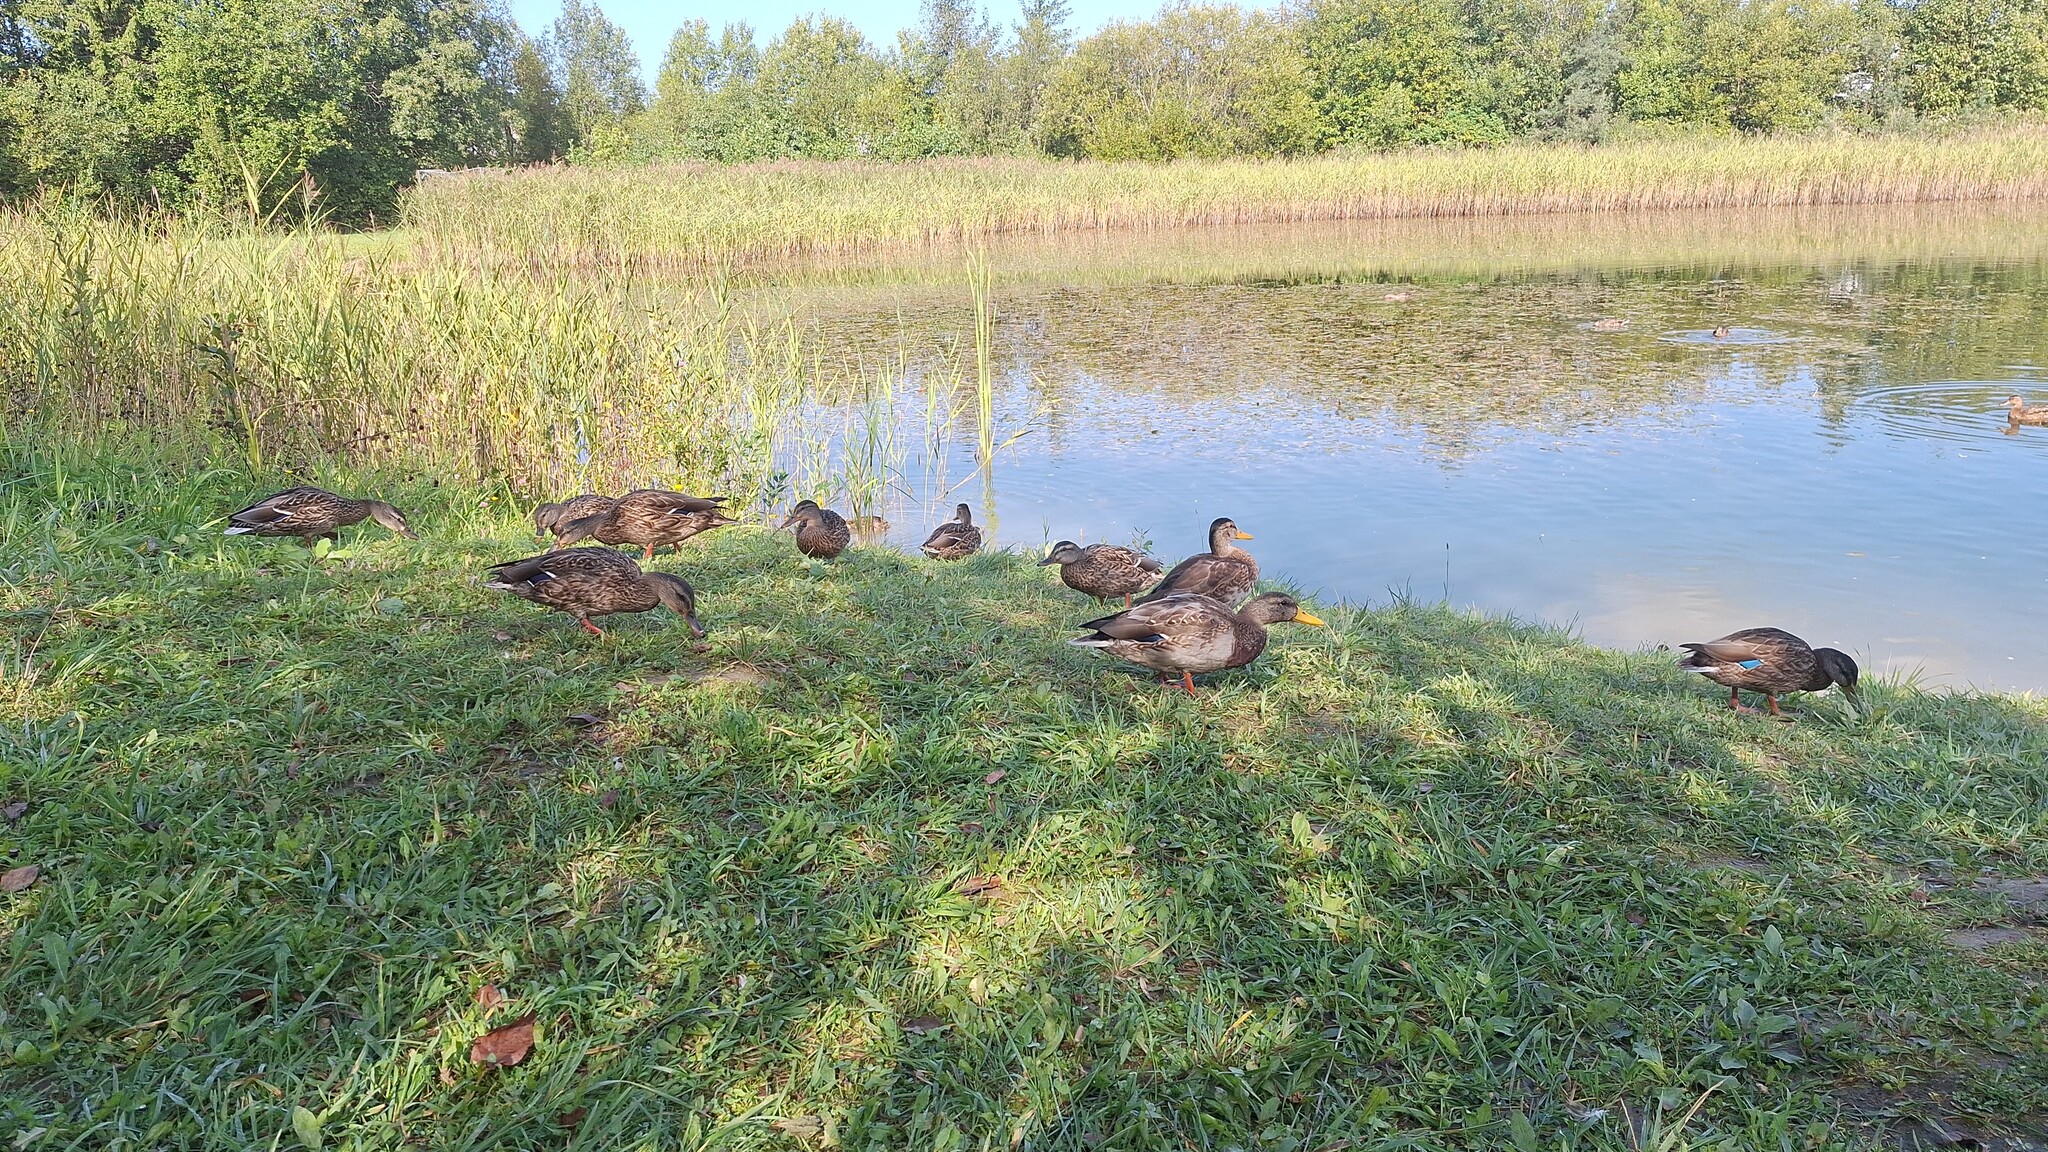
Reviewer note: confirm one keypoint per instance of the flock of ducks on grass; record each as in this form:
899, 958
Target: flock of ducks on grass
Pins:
1199, 617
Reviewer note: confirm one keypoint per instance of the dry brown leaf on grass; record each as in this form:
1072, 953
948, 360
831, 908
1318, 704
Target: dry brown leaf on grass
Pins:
572, 1117
919, 1025
489, 997
15, 811
610, 798
801, 1127
994, 777
978, 886
505, 1045
20, 878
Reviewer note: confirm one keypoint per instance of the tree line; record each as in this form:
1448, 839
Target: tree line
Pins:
286, 105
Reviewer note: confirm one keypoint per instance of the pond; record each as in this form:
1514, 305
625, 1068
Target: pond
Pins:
1651, 429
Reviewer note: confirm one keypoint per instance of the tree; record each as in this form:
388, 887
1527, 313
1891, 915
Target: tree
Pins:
1977, 54
540, 126
1198, 81
595, 67
1395, 72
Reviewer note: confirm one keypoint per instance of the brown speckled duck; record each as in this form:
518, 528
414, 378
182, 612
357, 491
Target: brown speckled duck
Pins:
550, 519
956, 539
649, 517
1187, 634
1104, 571
311, 513
1225, 572
1770, 661
586, 582
820, 532
2017, 412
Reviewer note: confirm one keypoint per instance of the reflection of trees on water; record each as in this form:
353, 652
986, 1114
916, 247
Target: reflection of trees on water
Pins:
1464, 361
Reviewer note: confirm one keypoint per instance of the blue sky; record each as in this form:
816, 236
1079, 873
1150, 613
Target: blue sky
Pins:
650, 22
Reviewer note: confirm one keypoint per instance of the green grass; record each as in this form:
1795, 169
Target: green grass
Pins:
1422, 880
732, 214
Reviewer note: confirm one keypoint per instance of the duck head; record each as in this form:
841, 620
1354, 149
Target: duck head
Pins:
1063, 553
676, 595
391, 518
1223, 535
1279, 608
1839, 671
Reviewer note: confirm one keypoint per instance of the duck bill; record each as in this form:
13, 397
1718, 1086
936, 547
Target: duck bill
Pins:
1302, 617
1046, 561
1244, 536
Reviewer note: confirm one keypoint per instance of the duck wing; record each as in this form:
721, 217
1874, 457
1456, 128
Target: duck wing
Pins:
1220, 578
293, 505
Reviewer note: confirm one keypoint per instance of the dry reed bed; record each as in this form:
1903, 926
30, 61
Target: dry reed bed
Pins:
697, 212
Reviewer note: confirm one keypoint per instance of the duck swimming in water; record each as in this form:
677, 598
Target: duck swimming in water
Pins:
2017, 412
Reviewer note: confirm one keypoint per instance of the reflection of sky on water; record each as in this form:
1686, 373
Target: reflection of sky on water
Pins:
1842, 470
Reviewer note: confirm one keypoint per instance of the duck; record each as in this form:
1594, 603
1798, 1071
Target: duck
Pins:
586, 582
1225, 572
1185, 634
1609, 324
1103, 570
956, 539
550, 519
1771, 661
820, 532
649, 517
1721, 331
312, 513
2017, 412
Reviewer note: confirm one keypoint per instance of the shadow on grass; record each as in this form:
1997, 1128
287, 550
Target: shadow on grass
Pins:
888, 864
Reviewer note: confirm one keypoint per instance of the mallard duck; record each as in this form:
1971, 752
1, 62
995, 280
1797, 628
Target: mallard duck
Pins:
2017, 412
311, 513
820, 532
1609, 324
1721, 331
649, 517
1770, 661
550, 519
586, 582
1187, 634
956, 539
1225, 572
1103, 570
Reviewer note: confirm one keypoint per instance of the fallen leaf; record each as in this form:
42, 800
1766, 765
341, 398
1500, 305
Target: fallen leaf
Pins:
505, 1045
977, 885
1426, 786
1638, 919
970, 826
919, 1025
610, 798
19, 878
501, 637
585, 719
801, 1127
572, 1117
994, 776
14, 811
151, 825
489, 997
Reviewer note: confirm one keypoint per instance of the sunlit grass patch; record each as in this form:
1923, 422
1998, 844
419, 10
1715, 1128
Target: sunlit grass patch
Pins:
884, 861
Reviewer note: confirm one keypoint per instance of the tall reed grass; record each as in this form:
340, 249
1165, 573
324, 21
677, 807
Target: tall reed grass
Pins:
294, 350
693, 213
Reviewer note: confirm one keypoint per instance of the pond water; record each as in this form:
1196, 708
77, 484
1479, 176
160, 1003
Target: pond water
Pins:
1536, 417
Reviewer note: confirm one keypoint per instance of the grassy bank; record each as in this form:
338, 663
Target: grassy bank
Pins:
886, 864
698, 213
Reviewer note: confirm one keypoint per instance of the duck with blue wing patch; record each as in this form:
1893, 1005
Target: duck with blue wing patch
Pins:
1185, 634
1771, 661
